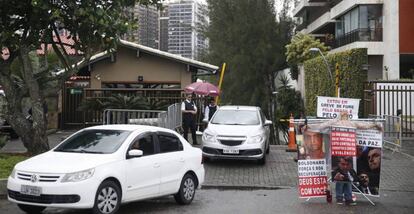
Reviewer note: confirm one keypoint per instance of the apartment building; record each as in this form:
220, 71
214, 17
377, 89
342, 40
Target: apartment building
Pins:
147, 32
163, 33
384, 27
185, 19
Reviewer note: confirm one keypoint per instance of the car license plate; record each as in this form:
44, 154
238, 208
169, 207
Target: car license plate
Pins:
31, 190
230, 151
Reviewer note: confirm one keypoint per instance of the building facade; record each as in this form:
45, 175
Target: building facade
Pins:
384, 27
163, 33
186, 17
148, 27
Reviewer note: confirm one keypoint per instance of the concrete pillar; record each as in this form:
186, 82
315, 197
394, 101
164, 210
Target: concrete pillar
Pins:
391, 63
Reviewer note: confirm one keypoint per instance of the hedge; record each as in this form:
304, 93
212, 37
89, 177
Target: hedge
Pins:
352, 77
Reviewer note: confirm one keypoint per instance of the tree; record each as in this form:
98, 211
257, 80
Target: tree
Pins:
27, 24
246, 35
297, 52
289, 101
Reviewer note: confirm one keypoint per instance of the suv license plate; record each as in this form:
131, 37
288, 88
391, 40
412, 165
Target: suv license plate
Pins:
230, 151
31, 190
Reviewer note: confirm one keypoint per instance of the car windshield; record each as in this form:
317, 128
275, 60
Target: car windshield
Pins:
96, 141
236, 117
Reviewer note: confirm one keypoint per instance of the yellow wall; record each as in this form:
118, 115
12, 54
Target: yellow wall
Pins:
128, 67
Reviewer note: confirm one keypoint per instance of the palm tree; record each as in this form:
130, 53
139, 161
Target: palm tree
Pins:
120, 101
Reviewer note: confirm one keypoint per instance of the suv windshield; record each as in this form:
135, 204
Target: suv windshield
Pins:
94, 141
236, 117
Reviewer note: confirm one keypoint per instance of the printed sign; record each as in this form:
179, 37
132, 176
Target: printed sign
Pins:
368, 161
331, 107
312, 178
343, 141
369, 137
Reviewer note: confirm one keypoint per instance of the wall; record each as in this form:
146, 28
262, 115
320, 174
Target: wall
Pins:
406, 26
128, 67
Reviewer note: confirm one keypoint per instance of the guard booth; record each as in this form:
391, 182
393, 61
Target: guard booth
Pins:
131, 70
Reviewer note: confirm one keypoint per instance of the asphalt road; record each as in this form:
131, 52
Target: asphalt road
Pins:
253, 201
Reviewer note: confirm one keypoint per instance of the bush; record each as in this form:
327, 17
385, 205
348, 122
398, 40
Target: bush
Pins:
351, 75
7, 163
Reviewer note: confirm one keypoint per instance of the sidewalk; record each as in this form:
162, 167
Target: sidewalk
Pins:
280, 171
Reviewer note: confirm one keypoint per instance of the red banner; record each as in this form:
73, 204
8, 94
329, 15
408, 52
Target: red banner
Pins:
312, 186
343, 142
312, 178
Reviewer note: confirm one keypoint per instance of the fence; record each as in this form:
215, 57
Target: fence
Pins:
170, 119
392, 129
391, 98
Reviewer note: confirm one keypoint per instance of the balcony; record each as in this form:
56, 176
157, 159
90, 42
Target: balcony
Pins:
359, 35
306, 4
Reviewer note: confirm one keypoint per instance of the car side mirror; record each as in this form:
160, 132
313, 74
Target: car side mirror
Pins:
268, 123
134, 153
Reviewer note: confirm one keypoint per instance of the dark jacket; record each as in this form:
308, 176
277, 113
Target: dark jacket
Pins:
346, 178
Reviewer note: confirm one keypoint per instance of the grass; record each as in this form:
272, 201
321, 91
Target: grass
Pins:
7, 162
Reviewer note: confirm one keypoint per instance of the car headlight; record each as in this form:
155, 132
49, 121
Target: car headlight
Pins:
78, 176
13, 173
255, 139
207, 137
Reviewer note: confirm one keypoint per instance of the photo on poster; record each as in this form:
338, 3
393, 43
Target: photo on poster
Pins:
311, 146
368, 169
343, 169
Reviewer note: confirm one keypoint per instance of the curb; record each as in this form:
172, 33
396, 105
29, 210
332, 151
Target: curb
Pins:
243, 187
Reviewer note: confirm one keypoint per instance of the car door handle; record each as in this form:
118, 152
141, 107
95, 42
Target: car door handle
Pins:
156, 165
182, 160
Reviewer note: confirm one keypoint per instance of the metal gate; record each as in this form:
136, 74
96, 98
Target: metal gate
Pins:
71, 100
391, 98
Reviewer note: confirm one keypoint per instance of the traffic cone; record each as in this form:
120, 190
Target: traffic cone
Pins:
292, 140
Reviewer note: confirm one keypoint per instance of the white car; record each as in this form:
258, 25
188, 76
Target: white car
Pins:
237, 132
103, 166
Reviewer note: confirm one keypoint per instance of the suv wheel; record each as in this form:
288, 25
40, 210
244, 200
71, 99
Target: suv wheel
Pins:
107, 199
187, 190
31, 209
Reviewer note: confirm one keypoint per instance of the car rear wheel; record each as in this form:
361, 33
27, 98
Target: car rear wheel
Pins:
107, 199
187, 190
31, 209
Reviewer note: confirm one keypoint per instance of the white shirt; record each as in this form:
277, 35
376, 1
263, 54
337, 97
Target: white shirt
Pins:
188, 101
207, 112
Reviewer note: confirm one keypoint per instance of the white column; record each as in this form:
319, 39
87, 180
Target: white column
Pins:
391, 63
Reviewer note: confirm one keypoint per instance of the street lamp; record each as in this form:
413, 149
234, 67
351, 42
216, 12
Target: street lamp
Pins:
324, 59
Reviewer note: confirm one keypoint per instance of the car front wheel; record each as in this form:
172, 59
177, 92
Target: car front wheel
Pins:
31, 209
262, 160
187, 190
107, 199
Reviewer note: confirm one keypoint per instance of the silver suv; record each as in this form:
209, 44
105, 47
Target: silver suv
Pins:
237, 132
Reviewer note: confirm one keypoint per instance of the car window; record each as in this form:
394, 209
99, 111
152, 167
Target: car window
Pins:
169, 143
236, 117
144, 143
94, 141
263, 117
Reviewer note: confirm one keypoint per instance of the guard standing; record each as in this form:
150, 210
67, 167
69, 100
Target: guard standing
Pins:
189, 110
